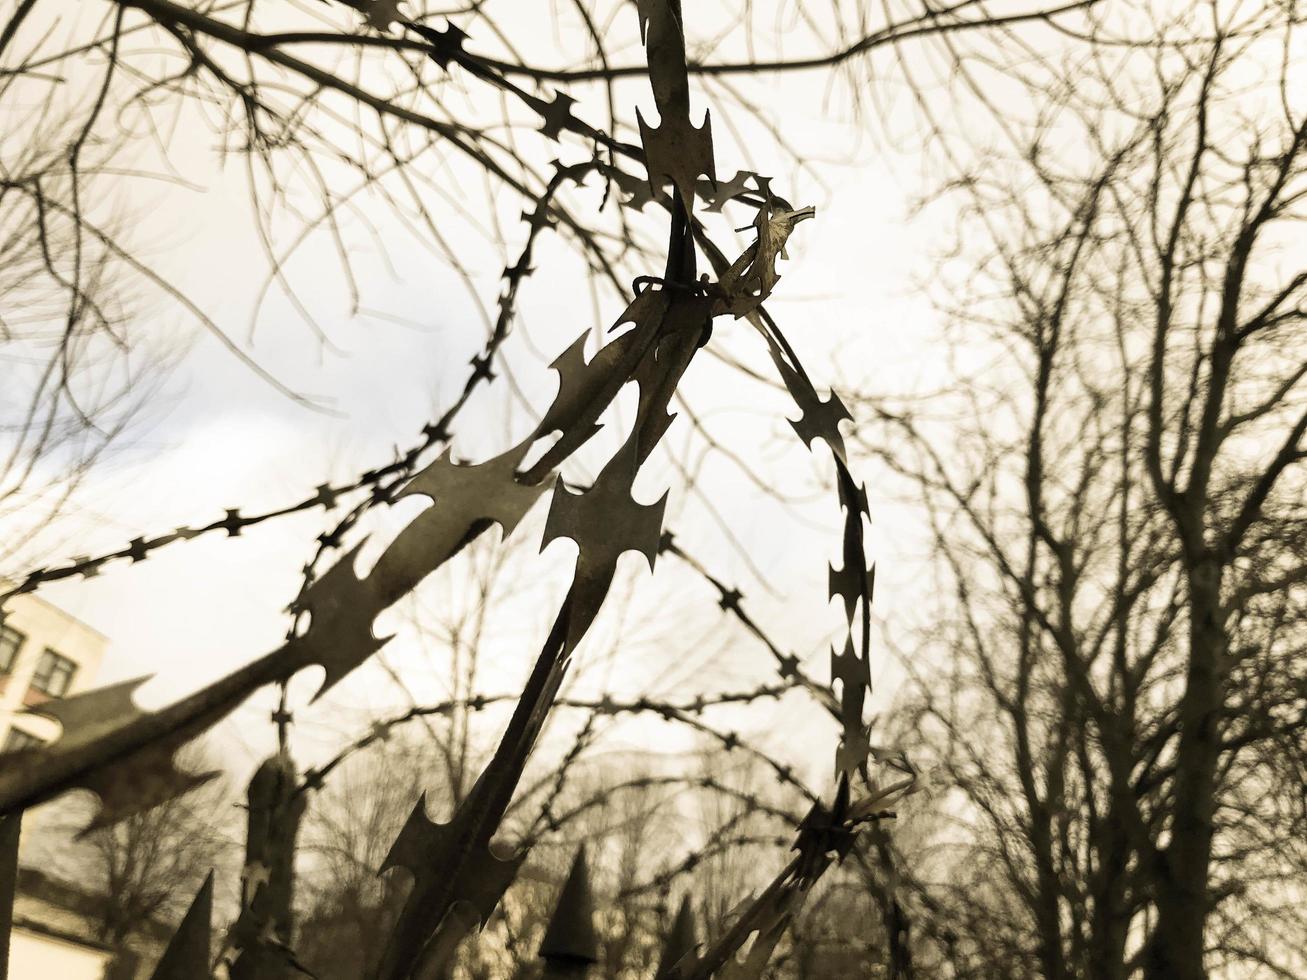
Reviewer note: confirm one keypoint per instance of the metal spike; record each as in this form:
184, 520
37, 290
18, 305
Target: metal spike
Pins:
768, 917
577, 383
580, 382
679, 953
339, 636
556, 115
431, 852
822, 833
151, 780
676, 151
820, 419
685, 316
88, 716
848, 668
422, 843
852, 494
464, 494
93, 719
637, 190
720, 193
187, 955
854, 674
570, 945
343, 607
446, 45
604, 521
645, 10
112, 748
759, 955
851, 584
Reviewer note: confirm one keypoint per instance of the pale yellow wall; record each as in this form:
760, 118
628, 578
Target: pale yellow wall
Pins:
35, 956
46, 626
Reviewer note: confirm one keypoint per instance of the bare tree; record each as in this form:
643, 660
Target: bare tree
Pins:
347, 908
1115, 502
77, 371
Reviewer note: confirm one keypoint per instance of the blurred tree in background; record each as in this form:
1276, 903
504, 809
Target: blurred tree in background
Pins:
1116, 488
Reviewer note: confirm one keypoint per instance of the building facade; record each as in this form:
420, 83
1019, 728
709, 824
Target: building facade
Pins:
44, 653
54, 935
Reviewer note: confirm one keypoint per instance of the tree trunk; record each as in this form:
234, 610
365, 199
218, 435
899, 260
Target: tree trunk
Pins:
1109, 921
1176, 950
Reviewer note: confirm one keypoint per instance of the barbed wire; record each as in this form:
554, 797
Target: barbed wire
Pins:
731, 600
381, 729
547, 822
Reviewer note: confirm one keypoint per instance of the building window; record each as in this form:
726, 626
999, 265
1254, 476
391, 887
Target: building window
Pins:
11, 641
54, 673
17, 740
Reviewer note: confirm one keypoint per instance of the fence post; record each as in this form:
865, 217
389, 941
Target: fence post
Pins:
262, 933
10, 827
